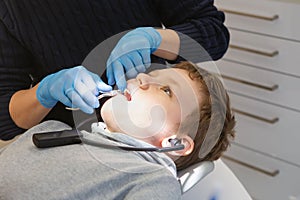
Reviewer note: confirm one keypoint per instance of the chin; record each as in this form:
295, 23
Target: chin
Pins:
112, 112
106, 113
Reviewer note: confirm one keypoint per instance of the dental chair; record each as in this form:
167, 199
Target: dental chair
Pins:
211, 181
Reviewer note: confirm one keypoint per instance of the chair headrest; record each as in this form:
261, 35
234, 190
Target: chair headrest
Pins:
190, 176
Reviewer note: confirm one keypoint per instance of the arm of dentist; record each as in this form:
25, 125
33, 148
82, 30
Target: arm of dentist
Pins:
74, 87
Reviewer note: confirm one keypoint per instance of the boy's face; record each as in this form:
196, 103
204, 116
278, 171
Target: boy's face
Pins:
154, 107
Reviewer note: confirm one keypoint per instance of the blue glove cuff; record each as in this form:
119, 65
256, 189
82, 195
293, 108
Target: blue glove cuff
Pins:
153, 36
43, 91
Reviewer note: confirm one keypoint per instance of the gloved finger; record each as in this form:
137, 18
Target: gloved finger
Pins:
110, 72
86, 95
146, 55
85, 77
69, 91
138, 62
119, 75
128, 66
101, 86
77, 101
63, 98
63, 84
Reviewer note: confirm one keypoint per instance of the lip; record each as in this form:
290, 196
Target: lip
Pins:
127, 94
132, 87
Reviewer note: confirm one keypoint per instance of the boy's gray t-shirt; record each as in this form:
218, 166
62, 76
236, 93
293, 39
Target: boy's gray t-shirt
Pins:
82, 171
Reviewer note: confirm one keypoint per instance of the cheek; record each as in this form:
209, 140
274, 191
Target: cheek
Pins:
157, 107
175, 113
142, 111
146, 115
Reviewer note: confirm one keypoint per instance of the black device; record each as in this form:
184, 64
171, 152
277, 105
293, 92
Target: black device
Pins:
57, 138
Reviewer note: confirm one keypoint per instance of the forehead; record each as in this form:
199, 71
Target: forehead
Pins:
185, 89
175, 77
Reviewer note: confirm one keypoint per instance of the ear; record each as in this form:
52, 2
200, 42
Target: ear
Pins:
186, 140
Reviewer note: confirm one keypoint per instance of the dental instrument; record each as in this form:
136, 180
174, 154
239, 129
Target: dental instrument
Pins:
102, 95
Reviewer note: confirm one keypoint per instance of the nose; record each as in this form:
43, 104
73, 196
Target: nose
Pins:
144, 80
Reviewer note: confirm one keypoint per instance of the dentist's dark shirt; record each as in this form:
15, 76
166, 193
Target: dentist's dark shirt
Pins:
39, 37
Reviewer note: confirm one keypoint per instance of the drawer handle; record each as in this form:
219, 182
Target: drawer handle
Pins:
269, 173
270, 121
263, 53
267, 18
269, 88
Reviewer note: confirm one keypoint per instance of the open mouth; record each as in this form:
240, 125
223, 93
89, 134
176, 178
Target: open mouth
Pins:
127, 94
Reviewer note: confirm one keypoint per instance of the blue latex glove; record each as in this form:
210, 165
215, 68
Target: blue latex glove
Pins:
74, 87
132, 54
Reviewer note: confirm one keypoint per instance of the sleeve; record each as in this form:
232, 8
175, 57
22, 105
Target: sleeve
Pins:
157, 185
196, 21
15, 69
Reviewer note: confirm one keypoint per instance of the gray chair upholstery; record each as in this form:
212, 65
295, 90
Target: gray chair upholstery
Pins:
190, 176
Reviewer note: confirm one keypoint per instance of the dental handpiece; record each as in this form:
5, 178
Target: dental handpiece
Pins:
102, 95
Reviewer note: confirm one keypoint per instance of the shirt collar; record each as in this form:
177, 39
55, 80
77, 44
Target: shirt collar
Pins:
100, 128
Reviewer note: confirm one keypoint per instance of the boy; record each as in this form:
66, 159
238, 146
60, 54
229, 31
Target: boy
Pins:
182, 102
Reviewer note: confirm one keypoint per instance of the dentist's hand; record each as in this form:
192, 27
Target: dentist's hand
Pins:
74, 87
132, 54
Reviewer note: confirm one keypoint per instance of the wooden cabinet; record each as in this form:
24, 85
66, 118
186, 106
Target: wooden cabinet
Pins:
261, 71
274, 88
265, 52
268, 17
263, 176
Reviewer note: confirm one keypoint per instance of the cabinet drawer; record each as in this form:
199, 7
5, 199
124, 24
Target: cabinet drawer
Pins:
265, 52
284, 185
266, 128
263, 16
265, 85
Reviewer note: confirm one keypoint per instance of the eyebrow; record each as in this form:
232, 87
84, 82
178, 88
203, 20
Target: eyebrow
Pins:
171, 79
175, 82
